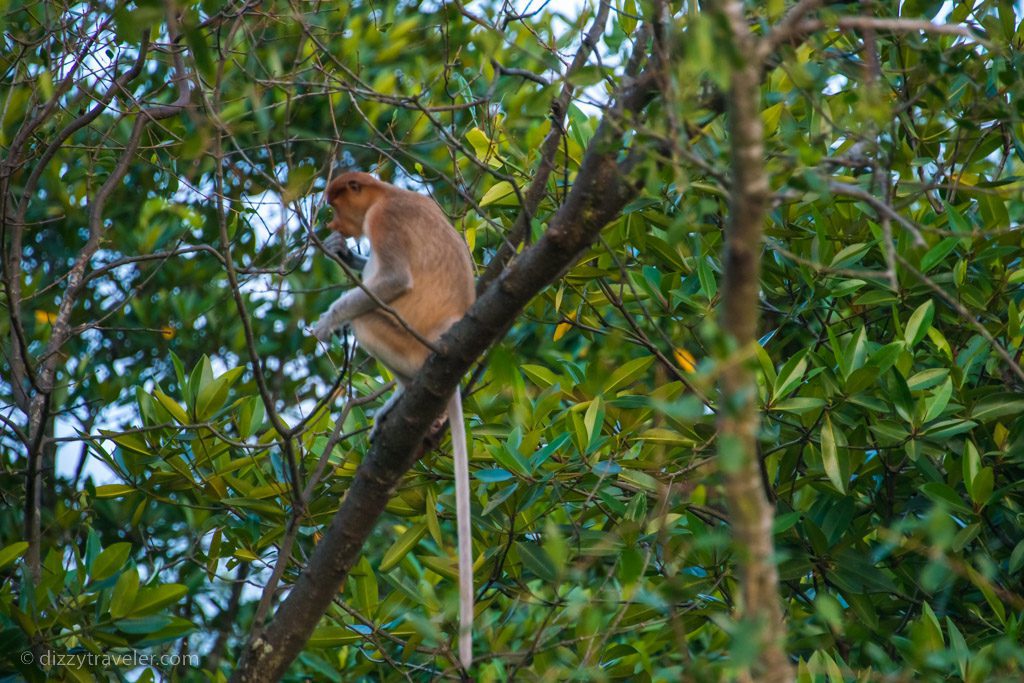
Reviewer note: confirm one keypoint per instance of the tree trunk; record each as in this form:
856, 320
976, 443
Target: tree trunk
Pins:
751, 512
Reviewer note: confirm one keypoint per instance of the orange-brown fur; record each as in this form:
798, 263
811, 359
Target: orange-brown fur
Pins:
409, 227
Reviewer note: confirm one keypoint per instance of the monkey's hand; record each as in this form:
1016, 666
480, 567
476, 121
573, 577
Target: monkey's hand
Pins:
336, 244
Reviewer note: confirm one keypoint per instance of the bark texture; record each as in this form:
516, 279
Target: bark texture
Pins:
751, 512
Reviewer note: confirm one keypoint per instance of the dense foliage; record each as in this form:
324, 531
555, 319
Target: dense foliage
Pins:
889, 363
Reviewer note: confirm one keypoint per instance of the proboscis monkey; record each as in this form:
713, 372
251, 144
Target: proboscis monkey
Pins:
420, 268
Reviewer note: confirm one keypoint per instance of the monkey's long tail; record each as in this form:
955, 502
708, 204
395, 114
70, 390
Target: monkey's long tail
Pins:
465, 535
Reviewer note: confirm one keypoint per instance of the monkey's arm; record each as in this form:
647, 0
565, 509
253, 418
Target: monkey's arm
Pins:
391, 281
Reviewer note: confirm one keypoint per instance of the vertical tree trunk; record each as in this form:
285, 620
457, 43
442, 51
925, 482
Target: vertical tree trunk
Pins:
38, 418
750, 511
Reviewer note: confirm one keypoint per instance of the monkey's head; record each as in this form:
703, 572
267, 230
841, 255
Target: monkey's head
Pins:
351, 195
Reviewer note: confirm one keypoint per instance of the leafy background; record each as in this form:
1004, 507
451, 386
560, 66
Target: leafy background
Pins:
892, 437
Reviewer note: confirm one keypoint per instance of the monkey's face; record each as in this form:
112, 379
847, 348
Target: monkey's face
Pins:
349, 197
344, 221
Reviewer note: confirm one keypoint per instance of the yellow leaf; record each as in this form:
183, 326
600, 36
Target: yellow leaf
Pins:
562, 328
685, 360
167, 332
45, 318
482, 145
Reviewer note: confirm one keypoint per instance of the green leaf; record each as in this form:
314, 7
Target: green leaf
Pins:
131, 442
708, 283
482, 145
985, 586
12, 552
627, 18
981, 486
250, 417
179, 373
957, 222
971, 463
926, 379
996, 406
202, 374
507, 457
920, 321
110, 561
114, 490
631, 565
944, 495
938, 253
593, 421
542, 454
401, 547
540, 375
641, 480
442, 566
948, 428
151, 599
627, 373
364, 586
493, 475
554, 545
799, 405
536, 560
790, 375
123, 597
337, 636
172, 407
959, 646
144, 625
830, 456
501, 193
938, 402
850, 254
1017, 558
244, 553
200, 50
213, 394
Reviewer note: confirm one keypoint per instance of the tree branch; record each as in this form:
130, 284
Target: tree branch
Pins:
795, 31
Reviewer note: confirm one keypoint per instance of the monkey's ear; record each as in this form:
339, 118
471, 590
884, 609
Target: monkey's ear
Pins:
354, 185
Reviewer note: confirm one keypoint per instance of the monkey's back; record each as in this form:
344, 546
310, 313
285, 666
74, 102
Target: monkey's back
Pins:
414, 228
